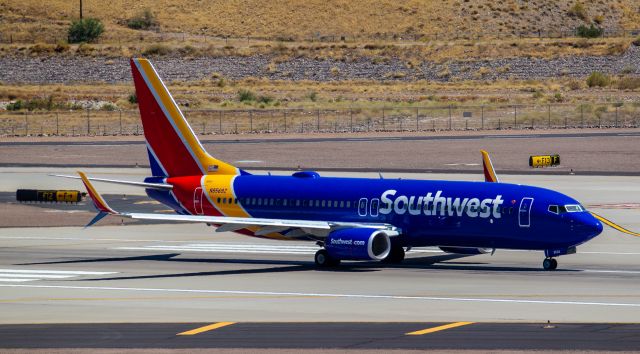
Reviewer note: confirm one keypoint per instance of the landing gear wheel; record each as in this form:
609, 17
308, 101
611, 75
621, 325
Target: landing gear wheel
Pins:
323, 260
396, 255
549, 264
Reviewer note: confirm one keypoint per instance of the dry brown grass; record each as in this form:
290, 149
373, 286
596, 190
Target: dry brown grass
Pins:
209, 93
292, 19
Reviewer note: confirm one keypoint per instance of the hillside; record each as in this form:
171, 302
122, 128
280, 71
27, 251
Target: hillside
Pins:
30, 21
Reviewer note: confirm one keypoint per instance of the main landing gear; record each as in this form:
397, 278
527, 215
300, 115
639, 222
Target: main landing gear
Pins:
396, 255
324, 260
550, 264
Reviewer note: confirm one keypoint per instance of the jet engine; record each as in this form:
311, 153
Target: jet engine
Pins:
358, 244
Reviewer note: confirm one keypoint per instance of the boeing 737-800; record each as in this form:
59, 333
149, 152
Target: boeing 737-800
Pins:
349, 218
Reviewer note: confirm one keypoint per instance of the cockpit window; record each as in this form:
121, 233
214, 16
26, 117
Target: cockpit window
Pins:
573, 208
553, 209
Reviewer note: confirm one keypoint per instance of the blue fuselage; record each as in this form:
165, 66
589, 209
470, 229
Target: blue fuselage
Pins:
427, 212
442, 213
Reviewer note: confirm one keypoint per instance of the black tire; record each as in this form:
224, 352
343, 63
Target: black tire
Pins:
549, 264
396, 255
324, 260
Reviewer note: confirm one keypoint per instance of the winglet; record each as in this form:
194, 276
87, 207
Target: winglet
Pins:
98, 201
489, 172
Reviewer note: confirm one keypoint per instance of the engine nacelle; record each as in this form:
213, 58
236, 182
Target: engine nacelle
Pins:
466, 250
358, 244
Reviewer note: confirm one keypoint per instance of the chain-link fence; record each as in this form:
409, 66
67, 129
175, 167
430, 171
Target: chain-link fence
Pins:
550, 116
41, 35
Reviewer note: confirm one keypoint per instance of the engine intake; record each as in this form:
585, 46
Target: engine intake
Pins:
358, 244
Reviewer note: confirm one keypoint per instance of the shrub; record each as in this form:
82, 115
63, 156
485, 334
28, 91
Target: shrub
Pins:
589, 32
133, 98
61, 47
265, 99
15, 106
246, 96
109, 107
636, 42
85, 30
145, 20
558, 97
578, 10
599, 19
598, 79
157, 49
629, 83
313, 96
628, 69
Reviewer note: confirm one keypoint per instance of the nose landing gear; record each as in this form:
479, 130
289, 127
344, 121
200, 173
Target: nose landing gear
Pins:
549, 264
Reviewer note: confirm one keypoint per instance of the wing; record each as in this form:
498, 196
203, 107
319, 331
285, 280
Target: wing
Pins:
289, 228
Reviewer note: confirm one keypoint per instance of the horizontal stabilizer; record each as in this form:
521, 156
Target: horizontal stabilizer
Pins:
162, 186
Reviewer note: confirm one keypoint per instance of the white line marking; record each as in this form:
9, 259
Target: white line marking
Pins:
37, 276
178, 249
615, 253
28, 271
612, 271
357, 296
16, 280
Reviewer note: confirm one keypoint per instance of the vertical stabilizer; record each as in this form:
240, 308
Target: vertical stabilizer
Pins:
174, 150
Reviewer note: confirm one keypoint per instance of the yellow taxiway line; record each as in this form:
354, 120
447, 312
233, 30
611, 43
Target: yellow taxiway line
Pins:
439, 328
205, 328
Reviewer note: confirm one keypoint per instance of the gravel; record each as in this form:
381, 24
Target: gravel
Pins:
75, 69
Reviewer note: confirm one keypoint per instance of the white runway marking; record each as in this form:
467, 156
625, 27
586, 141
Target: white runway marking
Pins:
328, 295
24, 275
240, 248
227, 248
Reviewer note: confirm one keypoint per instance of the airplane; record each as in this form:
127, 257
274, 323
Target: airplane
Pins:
348, 218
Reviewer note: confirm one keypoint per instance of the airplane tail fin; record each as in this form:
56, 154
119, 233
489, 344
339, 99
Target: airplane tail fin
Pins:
487, 166
174, 150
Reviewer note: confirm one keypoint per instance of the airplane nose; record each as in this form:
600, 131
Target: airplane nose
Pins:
591, 226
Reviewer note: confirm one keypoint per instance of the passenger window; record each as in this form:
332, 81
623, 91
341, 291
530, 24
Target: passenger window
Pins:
348, 204
324, 203
553, 209
342, 203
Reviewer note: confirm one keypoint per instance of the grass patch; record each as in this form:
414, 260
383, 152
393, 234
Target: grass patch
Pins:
598, 79
157, 49
145, 20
